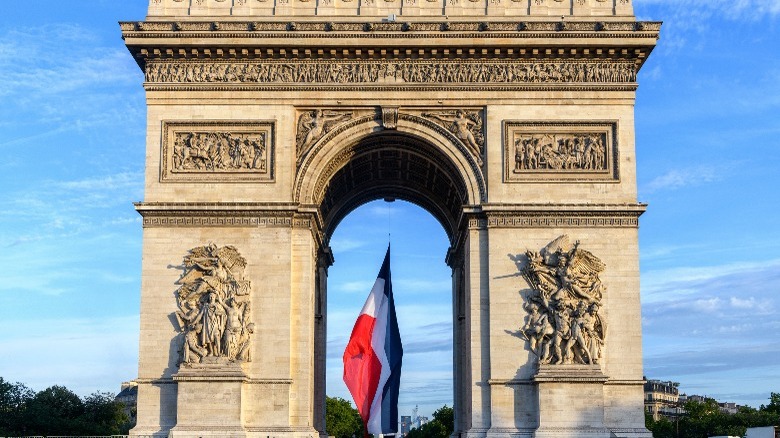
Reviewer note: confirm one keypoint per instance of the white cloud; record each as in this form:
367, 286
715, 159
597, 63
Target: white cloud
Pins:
342, 243
665, 283
680, 178
119, 181
352, 287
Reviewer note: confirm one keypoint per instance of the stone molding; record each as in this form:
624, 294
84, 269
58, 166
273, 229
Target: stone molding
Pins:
570, 374
525, 382
155, 381
553, 216
218, 151
564, 216
278, 429
593, 28
171, 215
547, 151
404, 8
248, 380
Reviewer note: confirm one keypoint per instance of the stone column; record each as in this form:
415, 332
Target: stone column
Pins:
477, 324
302, 337
324, 260
459, 357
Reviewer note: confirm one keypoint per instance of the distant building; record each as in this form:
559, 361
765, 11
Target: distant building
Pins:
662, 399
729, 408
129, 397
406, 424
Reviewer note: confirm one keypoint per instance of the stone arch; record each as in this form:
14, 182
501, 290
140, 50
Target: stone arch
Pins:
362, 160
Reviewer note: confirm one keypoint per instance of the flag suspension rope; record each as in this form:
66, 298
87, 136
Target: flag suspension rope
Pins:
372, 359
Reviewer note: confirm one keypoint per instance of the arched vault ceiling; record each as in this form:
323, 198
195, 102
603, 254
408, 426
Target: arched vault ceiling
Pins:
396, 165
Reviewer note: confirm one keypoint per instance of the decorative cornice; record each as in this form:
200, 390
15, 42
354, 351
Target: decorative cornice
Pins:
393, 88
450, 29
154, 381
563, 216
378, 40
618, 382
170, 215
510, 382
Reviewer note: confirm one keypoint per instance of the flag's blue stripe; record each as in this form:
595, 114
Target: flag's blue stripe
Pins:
394, 352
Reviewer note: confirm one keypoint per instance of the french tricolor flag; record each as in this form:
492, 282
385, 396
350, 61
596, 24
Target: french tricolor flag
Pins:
372, 359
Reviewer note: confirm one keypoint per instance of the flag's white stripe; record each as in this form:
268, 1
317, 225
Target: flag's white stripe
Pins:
378, 345
374, 299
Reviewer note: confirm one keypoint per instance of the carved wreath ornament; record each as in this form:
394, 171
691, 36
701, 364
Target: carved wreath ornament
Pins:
214, 313
563, 325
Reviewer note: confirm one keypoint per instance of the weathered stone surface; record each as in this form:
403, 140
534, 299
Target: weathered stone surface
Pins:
512, 129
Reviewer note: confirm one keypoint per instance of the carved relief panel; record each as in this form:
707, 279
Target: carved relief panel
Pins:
387, 72
466, 124
313, 124
563, 324
217, 151
214, 309
560, 151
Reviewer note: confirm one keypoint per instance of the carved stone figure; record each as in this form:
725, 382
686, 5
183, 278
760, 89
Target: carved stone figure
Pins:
214, 312
312, 125
563, 325
534, 152
402, 71
466, 125
209, 151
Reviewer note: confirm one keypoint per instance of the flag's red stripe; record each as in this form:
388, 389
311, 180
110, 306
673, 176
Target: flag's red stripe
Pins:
361, 365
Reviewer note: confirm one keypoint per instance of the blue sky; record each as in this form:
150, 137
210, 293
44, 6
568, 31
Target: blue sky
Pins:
708, 121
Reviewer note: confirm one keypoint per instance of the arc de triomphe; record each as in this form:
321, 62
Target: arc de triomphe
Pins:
510, 121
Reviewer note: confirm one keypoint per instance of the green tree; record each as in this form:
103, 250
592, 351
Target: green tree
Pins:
441, 426
103, 415
341, 419
14, 398
662, 428
703, 419
774, 404
58, 411
54, 411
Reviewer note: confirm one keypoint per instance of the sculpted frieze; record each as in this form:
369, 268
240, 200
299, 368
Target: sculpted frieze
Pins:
465, 124
538, 151
563, 324
389, 72
214, 308
215, 151
314, 124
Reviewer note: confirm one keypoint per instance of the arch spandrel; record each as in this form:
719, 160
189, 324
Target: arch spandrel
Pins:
435, 170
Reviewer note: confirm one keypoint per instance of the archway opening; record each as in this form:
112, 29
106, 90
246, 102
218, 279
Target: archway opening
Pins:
430, 186
422, 286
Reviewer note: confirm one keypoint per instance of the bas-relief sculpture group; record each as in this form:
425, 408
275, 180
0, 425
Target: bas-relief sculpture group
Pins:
208, 151
465, 124
561, 151
563, 325
390, 71
214, 308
